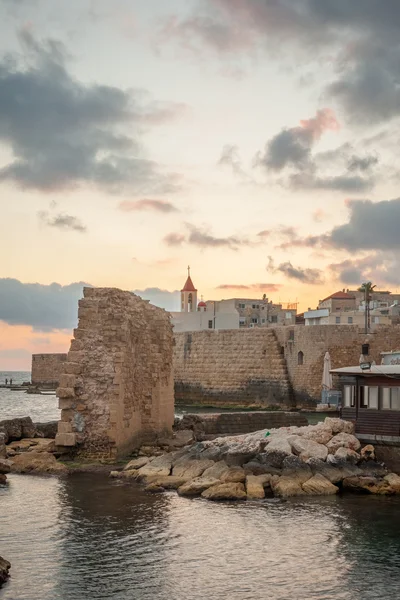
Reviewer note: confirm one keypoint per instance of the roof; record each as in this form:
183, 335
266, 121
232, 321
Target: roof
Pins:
385, 370
202, 303
339, 296
188, 287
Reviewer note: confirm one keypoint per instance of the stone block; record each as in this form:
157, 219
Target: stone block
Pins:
64, 427
72, 368
65, 392
65, 403
65, 439
67, 381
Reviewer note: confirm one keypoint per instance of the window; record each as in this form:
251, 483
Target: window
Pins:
274, 319
291, 335
384, 312
190, 299
350, 320
385, 396
390, 398
262, 320
349, 396
210, 324
337, 319
300, 358
369, 397
242, 306
254, 320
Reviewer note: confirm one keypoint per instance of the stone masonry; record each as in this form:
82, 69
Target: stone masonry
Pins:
116, 390
46, 369
238, 367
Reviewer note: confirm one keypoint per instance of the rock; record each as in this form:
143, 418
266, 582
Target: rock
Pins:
43, 445
190, 469
46, 430
237, 459
167, 483
3, 452
131, 474
234, 475
343, 440
371, 468
37, 462
137, 463
255, 467
320, 433
225, 491
394, 482
339, 425
217, 470
368, 452
5, 566
286, 487
153, 488
255, 486
180, 439
307, 448
333, 472
367, 485
5, 466
10, 452
347, 454
296, 469
277, 450
22, 445
150, 451
319, 485
161, 465
195, 487
16, 429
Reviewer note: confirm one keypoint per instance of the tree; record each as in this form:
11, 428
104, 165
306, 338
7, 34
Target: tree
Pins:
367, 288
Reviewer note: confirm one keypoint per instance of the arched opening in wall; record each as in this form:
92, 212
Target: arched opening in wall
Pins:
300, 358
190, 301
282, 350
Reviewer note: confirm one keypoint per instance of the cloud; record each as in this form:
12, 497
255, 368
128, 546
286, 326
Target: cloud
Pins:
230, 157
62, 221
202, 238
339, 183
162, 298
362, 163
252, 287
64, 133
382, 268
309, 276
154, 205
292, 147
43, 307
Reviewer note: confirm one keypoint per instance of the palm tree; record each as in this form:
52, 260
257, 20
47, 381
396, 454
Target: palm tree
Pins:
367, 288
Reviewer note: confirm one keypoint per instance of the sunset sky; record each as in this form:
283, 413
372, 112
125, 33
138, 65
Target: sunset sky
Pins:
256, 140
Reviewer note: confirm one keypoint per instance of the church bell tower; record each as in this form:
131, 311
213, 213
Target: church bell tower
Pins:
188, 295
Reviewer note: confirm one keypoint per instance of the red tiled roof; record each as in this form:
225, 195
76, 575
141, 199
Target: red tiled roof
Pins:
188, 287
339, 296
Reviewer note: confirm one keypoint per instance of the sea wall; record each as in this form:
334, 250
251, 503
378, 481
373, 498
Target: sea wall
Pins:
46, 369
304, 349
233, 367
116, 390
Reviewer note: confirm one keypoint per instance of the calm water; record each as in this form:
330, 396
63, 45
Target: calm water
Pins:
89, 538
40, 408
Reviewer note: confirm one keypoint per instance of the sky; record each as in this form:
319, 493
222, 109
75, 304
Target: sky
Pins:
254, 140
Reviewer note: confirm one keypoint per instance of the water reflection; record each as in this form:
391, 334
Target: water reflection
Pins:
88, 537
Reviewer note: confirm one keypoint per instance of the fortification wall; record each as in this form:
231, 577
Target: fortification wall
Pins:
236, 367
116, 390
343, 342
47, 368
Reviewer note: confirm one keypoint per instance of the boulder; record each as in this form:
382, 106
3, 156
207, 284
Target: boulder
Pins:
167, 483
22, 445
5, 566
339, 425
368, 452
153, 488
137, 463
320, 433
195, 487
307, 448
237, 459
161, 465
47, 430
37, 462
319, 485
216, 470
3, 479
296, 469
131, 474
3, 452
179, 440
348, 455
225, 491
343, 440
190, 469
286, 487
43, 445
333, 472
371, 468
367, 485
16, 429
10, 452
5, 466
255, 486
277, 450
233, 475
255, 467
394, 482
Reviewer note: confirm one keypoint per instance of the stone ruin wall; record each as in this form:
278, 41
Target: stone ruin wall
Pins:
258, 365
47, 368
238, 367
343, 342
116, 390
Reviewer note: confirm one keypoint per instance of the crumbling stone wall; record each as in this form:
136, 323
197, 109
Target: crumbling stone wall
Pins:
236, 367
46, 369
343, 342
116, 390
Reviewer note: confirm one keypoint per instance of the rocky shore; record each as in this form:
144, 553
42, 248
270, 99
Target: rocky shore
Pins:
322, 459
5, 566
